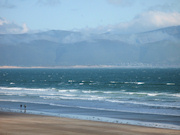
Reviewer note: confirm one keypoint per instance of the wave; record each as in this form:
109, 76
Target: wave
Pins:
92, 108
96, 98
108, 99
139, 83
71, 90
115, 110
156, 100
170, 83
70, 81
23, 88
145, 104
121, 93
142, 83
116, 82
90, 91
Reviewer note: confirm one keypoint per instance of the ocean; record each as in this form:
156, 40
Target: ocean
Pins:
145, 97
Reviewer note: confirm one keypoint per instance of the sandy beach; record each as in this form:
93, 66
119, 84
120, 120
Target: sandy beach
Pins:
27, 124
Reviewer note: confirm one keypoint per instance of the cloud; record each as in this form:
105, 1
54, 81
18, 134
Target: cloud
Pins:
152, 20
6, 4
7, 27
120, 2
48, 2
146, 21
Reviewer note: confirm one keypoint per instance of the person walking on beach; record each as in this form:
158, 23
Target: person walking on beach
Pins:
21, 107
24, 108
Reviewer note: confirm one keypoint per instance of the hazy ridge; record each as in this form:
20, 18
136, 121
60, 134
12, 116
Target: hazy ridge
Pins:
159, 48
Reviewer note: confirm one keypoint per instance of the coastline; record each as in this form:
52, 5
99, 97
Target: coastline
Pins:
110, 116
21, 123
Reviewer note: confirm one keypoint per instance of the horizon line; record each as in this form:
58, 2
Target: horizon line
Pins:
84, 66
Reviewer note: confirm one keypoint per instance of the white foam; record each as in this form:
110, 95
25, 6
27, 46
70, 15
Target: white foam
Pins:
144, 103
31, 89
108, 92
70, 81
113, 82
11, 88
170, 83
176, 95
89, 91
49, 97
138, 83
67, 91
21, 88
62, 91
152, 94
73, 90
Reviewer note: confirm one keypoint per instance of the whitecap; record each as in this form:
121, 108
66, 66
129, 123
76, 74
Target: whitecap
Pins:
113, 82
131, 93
108, 92
63, 91
73, 90
84, 91
89, 91
152, 94
92, 83
176, 95
123, 90
70, 81
139, 83
11, 88
38, 89
170, 83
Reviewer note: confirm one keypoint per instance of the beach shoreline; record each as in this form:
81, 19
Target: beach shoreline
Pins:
21, 123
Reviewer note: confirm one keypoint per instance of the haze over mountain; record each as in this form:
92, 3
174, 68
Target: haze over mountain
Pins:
160, 48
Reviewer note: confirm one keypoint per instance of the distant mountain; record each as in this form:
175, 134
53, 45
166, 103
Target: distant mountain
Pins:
66, 48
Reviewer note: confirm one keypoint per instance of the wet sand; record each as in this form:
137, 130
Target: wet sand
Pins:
27, 124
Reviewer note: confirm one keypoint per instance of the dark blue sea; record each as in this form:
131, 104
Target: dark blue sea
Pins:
146, 97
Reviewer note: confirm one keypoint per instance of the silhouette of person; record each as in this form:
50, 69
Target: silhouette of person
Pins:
24, 108
21, 107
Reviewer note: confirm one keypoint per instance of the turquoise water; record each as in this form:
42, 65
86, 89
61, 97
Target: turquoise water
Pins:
148, 97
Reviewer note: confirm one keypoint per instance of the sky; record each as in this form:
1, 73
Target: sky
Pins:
127, 16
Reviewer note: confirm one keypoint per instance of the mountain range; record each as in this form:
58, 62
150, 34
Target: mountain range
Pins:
157, 48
